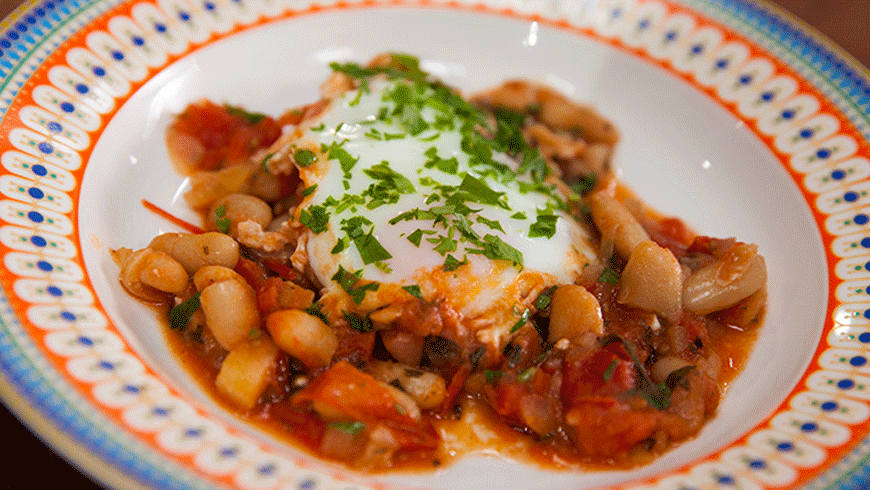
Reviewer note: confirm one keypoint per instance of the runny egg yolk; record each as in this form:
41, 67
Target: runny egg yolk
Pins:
400, 191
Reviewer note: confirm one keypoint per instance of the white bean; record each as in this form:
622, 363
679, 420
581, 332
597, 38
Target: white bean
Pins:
720, 284
231, 312
193, 251
147, 274
236, 208
303, 336
652, 280
615, 221
212, 274
573, 312
427, 389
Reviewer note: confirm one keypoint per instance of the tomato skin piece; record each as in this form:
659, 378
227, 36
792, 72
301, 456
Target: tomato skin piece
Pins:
251, 272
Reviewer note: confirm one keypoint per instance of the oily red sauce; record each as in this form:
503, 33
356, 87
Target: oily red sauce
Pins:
477, 431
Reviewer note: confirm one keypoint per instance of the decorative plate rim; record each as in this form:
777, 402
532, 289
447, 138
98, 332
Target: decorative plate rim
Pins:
820, 66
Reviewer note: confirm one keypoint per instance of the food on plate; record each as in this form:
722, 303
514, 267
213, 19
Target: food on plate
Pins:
395, 274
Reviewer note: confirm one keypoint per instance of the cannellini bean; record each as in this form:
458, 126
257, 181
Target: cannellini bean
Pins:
665, 366
148, 274
652, 280
212, 274
195, 251
236, 208
245, 372
614, 220
303, 336
573, 312
266, 186
739, 273
231, 312
404, 401
427, 389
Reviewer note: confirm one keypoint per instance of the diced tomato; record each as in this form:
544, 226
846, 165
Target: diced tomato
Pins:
267, 295
353, 393
603, 427
353, 344
505, 397
360, 397
306, 425
226, 135
608, 371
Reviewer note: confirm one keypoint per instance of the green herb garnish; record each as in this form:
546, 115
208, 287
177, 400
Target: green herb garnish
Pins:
220, 219
304, 157
180, 314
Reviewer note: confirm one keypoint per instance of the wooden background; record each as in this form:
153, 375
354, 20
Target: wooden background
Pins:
26, 459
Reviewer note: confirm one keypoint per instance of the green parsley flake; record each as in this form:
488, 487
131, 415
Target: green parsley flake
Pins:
309, 190
264, 163
414, 290
415, 237
349, 280
359, 323
304, 157
220, 219
250, 117
316, 218
609, 276
451, 263
180, 314
545, 226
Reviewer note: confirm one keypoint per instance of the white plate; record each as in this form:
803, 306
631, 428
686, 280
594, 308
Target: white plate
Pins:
732, 119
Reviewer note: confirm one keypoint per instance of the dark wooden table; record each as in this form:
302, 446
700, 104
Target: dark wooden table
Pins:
846, 22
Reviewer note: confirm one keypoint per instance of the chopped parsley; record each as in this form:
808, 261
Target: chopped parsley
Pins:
264, 163
349, 280
545, 226
451, 263
543, 300
249, 117
180, 314
370, 249
304, 157
610, 276
359, 323
414, 290
221, 221
316, 218
316, 311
